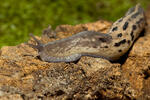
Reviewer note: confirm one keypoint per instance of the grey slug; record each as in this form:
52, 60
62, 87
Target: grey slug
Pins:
111, 45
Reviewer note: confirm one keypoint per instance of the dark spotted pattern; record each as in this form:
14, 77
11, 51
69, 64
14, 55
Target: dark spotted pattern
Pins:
138, 22
120, 20
125, 26
135, 15
119, 43
128, 41
119, 35
115, 28
132, 36
134, 27
105, 46
119, 50
129, 19
103, 39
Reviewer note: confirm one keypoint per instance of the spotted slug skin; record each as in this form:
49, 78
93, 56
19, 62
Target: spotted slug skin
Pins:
111, 45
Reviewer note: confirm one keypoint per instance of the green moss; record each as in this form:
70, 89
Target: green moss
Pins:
18, 18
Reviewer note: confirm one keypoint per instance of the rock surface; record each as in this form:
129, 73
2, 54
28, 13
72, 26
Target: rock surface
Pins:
23, 76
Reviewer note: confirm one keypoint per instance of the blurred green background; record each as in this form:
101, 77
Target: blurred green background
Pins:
18, 18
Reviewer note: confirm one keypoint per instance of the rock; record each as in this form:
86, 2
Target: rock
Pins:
24, 76
11, 97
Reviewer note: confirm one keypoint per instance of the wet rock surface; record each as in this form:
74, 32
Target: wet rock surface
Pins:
24, 76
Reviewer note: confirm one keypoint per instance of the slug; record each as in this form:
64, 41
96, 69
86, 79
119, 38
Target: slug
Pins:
111, 45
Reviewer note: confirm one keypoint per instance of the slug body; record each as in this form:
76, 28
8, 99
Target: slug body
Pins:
111, 45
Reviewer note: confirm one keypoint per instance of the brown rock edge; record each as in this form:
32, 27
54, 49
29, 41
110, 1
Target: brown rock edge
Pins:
23, 76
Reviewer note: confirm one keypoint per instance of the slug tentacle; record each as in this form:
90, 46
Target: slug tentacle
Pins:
38, 41
39, 45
